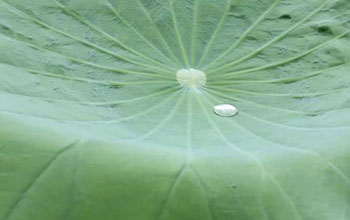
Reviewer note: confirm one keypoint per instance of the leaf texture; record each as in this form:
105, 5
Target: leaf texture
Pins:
96, 126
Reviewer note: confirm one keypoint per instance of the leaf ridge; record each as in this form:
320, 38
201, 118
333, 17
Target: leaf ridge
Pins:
38, 176
258, 104
277, 38
106, 51
295, 95
281, 80
255, 159
88, 63
138, 33
283, 146
244, 35
107, 103
171, 52
213, 36
177, 32
90, 25
194, 28
162, 122
288, 60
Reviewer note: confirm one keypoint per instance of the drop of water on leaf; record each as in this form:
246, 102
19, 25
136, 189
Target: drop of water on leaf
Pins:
233, 185
191, 78
225, 110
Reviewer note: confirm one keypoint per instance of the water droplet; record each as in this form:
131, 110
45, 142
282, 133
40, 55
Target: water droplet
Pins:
225, 110
233, 185
191, 78
285, 16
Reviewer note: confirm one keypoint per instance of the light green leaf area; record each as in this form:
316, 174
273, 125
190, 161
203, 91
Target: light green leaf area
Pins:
95, 126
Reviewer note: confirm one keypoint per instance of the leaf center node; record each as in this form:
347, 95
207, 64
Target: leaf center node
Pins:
191, 78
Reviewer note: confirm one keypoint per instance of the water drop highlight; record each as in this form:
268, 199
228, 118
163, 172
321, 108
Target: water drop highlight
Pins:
225, 110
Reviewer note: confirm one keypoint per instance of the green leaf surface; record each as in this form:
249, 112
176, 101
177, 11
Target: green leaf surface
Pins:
95, 126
